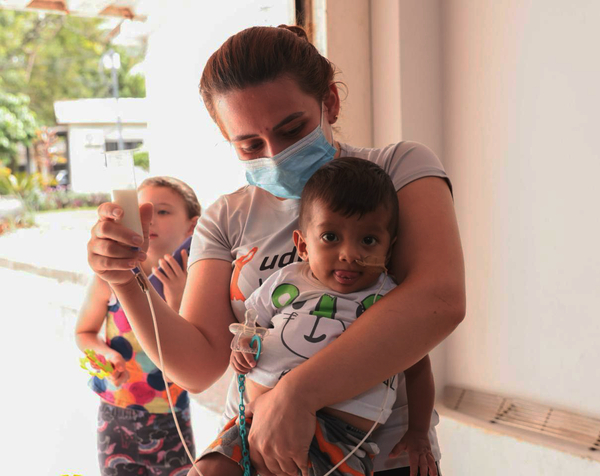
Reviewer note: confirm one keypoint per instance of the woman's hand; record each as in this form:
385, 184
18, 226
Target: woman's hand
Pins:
282, 429
420, 457
111, 249
173, 278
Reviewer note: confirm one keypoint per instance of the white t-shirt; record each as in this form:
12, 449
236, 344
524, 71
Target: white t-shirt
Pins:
252, 230
304, 317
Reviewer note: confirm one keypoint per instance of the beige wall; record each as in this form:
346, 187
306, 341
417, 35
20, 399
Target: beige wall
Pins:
346, 42
521, 101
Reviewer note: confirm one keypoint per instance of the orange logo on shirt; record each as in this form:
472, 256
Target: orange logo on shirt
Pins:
235, 294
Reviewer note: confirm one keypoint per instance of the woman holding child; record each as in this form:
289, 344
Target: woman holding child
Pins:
274, 98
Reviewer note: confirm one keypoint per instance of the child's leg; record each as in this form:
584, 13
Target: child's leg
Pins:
117, 445
224, 455
216, 464
159, 445
333, 440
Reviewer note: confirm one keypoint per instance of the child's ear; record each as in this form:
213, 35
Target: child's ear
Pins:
300, 245
193, 222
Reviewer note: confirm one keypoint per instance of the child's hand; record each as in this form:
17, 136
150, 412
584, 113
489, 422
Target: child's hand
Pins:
173, 278
418, 447
120, 374
242, 362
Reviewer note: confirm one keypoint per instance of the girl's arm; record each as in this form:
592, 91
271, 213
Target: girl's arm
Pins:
195, 344
90, 320
394, 334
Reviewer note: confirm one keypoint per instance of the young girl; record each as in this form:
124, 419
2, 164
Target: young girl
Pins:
136, 431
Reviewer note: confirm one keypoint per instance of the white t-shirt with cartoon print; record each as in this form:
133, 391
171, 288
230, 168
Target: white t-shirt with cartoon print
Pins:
252, 230
304, 317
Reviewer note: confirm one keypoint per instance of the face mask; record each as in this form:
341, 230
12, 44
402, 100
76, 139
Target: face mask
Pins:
285, 174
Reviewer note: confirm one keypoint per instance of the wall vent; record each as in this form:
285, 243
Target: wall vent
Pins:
577, 429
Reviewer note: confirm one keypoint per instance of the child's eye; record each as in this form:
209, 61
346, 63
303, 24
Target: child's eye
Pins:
369, 241
164, 212
329, 237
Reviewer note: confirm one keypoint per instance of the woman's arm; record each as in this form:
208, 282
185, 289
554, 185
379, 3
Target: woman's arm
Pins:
410, 320
195, 344
390, 337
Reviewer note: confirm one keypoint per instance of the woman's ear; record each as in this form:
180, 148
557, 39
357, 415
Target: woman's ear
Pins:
300, 245
332, 103
193, 222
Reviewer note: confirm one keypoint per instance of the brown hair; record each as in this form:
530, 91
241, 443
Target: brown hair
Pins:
181, 188
350, 186
261, 54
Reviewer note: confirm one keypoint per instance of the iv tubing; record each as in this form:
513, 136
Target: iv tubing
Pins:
142, 280
382, 404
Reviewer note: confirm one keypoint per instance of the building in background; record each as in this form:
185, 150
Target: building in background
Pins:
91, 129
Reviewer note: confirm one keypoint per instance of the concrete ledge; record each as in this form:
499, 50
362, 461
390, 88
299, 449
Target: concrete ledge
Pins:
59, 275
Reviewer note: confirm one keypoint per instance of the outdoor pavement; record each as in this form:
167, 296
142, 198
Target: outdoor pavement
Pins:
50, 413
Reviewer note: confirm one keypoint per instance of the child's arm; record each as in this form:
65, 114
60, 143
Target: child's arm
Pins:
90, 320
420, 393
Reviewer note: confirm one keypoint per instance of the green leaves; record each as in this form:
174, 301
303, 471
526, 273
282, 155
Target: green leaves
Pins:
53, 57
17, 124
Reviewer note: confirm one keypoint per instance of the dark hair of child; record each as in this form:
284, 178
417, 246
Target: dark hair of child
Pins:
350, 186
192, 204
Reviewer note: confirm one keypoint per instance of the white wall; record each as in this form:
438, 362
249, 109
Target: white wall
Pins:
521, 101
86, 153
184, 142
468, 449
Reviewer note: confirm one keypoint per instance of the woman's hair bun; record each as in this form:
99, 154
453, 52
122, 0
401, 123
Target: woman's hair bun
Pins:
298, 30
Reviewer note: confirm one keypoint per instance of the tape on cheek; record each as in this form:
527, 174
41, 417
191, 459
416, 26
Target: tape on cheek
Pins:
374, 262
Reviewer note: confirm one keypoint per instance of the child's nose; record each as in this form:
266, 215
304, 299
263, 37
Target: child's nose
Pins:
349, 253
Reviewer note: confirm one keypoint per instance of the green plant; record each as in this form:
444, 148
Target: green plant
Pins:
26, 187
142, 159
17, 125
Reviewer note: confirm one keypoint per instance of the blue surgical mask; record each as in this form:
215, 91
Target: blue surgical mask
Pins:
285, 174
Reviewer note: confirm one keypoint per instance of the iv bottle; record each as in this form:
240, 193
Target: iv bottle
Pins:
123, 189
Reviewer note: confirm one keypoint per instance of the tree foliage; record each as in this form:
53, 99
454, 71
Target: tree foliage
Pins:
53, 57
17, 125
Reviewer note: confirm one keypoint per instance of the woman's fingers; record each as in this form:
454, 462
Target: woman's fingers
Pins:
109, 210
106, 229
258, 463
281, 433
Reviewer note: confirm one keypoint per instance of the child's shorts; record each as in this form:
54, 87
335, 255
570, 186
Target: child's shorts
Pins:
138, 442
333, 440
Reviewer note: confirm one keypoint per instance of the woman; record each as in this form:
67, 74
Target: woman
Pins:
269, 89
